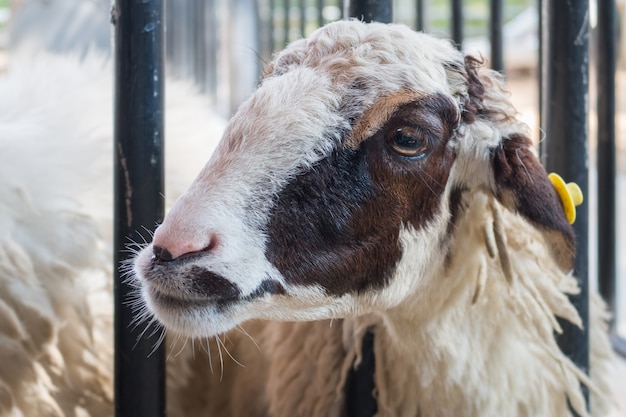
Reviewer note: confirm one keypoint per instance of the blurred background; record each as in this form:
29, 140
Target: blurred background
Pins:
223, 45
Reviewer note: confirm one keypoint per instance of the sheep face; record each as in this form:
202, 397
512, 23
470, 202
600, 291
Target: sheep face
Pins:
336, 185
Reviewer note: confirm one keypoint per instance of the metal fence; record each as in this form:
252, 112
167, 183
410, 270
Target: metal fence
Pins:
563, 84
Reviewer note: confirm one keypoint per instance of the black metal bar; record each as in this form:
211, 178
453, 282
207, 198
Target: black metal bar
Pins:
138, 201
320, 13
210, 45
178, 42
605, 66
371, 10
272, 30
457, 23
200, 50
420, 19
495, 34
265, 23
565, 149
187, 39
286, 22
360, 386
540, 60
302, 18
170, 17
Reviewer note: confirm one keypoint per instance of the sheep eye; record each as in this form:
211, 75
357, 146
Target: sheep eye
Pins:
407, 141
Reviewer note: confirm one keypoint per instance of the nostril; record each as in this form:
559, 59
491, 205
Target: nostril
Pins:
212, 244
160, 254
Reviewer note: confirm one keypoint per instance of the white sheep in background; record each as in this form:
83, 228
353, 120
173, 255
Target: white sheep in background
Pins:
377, 179
56, 347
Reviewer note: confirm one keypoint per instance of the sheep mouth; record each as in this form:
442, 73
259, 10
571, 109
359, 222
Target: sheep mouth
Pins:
171, 300
175, 302
190, 315
180, 302
193, 288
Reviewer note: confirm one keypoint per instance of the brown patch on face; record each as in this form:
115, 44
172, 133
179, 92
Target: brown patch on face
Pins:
377, 115
523, 186
337, 225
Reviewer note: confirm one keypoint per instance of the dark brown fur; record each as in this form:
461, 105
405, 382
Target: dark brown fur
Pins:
524, 187
338, 224
473, 106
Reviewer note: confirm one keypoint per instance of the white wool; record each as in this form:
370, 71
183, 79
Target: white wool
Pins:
56, 137
52, 255
465, 324
448, 362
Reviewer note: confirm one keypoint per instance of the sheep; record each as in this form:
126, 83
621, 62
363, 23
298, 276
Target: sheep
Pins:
377, 180
56, 318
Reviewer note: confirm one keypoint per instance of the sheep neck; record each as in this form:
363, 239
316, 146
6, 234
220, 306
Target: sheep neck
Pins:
482, 342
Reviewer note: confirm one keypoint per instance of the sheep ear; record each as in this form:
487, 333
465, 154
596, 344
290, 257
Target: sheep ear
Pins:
522, 186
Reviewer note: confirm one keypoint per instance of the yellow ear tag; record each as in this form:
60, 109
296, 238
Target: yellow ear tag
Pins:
570, 193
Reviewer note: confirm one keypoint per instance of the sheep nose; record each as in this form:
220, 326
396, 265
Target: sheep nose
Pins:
166, 248
160, 254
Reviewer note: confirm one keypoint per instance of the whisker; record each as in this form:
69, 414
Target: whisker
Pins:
202, 347
150, 231
228, 353
172, 345
208, 343
159, 341
219, 350
175, 341
182, 347
240, 329
142, 334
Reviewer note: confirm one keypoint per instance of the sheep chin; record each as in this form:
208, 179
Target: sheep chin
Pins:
192, 318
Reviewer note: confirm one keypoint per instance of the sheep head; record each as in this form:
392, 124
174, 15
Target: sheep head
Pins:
335, 186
